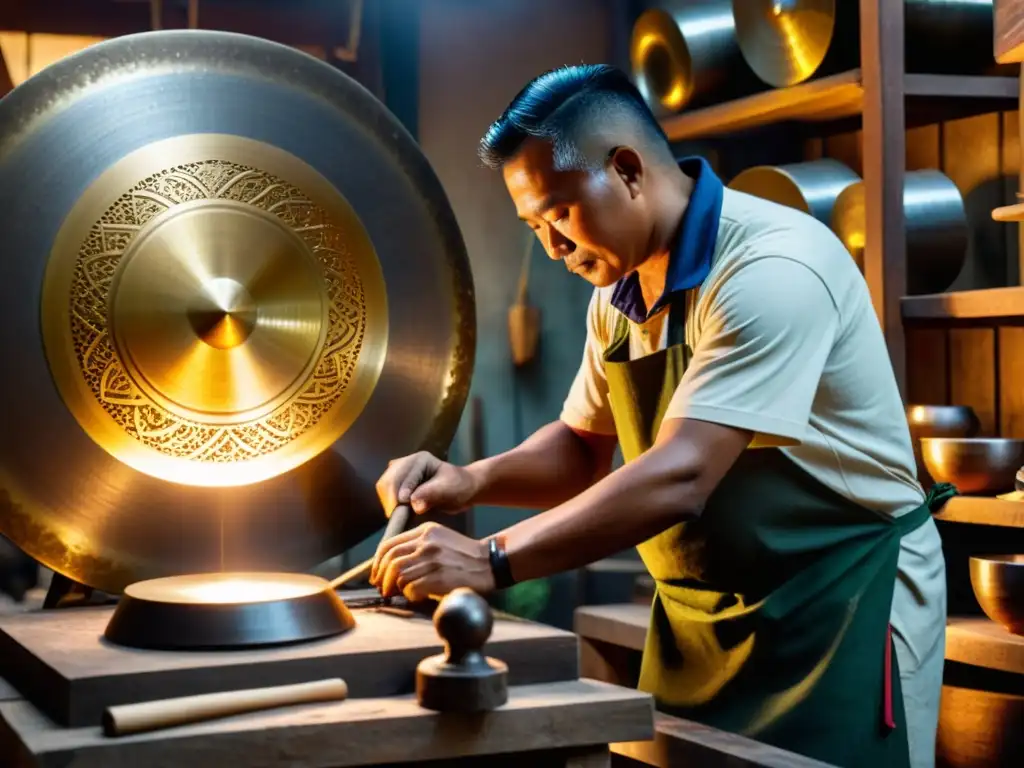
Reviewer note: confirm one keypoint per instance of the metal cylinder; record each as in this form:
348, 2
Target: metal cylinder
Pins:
811, 187
947, 36
685, 52
936, 226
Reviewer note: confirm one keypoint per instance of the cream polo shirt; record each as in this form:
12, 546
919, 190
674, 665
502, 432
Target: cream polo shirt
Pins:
786, 344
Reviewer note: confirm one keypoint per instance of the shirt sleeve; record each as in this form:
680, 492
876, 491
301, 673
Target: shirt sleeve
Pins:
586, 407
766, 335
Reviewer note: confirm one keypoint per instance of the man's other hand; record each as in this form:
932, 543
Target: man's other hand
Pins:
426, 483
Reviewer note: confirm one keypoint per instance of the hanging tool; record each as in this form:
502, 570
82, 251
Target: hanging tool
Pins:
524, 319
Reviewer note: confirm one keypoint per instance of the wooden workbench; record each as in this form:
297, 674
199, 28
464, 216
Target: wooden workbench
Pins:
563, 724
58, 674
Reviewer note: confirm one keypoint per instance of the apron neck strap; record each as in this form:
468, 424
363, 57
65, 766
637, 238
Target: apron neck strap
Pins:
676, 332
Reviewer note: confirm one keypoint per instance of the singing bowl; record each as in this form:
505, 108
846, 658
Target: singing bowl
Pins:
811, 187
998, 583
684, 52
936, 229
784, 42
975, 465
227, 610
233, 289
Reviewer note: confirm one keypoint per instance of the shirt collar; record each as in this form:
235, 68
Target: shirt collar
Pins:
690, 260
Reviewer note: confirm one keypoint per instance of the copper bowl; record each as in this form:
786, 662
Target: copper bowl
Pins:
976, 465
998, 583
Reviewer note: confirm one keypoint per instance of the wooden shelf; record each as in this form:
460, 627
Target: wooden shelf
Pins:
980, 642
987, 305
974, 640
982, 510
831, 98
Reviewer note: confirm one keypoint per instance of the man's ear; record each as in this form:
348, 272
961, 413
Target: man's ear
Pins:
627, 164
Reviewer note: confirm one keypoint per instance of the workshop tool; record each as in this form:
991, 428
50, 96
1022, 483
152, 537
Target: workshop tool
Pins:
462, 679
523, 317
127, 719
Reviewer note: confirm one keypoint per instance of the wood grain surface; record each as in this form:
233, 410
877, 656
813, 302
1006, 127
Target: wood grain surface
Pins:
352, 733
684, 743
60, 661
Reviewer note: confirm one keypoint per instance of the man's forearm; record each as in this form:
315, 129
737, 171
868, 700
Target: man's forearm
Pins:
553, 465
665, 486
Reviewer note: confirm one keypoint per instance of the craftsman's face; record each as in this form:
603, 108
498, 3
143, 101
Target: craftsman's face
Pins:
597, 223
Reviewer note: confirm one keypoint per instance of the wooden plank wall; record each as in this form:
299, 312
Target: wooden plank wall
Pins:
980, 367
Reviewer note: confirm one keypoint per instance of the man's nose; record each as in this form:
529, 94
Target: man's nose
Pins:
559, 246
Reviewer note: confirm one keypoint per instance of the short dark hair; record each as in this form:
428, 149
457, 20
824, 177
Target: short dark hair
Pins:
559, 104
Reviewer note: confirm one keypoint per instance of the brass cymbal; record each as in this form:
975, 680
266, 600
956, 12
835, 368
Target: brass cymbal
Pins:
784, 41
219, 311
234, 290
189, 324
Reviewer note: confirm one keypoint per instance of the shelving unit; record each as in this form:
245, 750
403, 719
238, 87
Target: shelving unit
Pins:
839, 96
887, 100
991, 306
979, 510
980, 642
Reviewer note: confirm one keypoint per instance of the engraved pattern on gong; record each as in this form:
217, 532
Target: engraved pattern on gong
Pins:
111, 384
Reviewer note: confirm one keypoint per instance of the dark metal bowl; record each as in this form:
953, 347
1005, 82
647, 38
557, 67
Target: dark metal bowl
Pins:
973, 464
938, 421
227, 610
998, 582
942, 421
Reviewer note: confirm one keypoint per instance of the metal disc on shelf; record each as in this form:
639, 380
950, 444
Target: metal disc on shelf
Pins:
936, 224
784, 41
233, 289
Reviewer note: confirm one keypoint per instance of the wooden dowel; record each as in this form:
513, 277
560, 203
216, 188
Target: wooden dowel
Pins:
168, 713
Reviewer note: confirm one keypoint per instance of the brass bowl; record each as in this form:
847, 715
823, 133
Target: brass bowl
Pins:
998, 583
976, 465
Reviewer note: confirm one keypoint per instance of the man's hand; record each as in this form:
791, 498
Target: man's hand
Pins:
426, 483
431, 560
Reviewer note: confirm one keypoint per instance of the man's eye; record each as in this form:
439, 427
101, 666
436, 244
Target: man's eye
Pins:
562, 215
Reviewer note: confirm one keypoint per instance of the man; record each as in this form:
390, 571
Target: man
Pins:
733, 353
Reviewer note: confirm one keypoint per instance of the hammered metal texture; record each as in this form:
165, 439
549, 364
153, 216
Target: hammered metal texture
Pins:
68, 501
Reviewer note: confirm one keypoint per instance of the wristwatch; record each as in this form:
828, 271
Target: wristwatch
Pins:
500, 567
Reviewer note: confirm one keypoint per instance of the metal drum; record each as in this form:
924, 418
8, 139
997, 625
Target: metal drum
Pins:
936, 226
811, 187
233, 289
684, 53
950, 36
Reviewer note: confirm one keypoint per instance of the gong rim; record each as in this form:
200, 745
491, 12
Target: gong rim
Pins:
94, 518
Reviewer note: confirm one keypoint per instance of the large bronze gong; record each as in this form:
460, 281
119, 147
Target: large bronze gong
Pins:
232, 289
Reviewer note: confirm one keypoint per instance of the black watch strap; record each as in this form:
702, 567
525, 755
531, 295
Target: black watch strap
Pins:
500, 567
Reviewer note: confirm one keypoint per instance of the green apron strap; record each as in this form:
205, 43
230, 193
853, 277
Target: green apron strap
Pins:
939, 494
